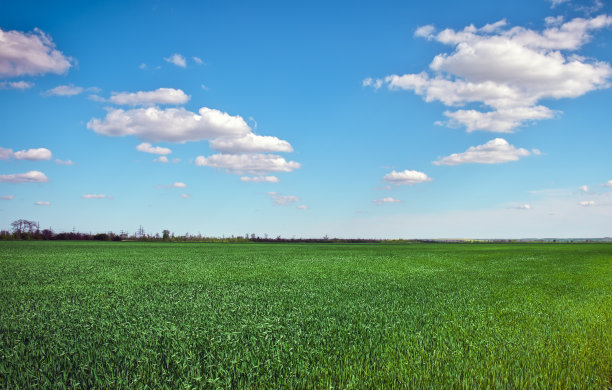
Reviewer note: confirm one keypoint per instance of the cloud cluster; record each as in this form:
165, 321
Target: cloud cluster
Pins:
495, 151
28, 177
506, 70
26, 154
241, 150
31, 54
407, 177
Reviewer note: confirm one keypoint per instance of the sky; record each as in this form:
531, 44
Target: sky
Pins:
355, 119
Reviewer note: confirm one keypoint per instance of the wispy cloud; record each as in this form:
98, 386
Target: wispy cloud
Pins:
21, 85
177, 60
260, 179
256, 164
7, 197
94, 196
283, 200
387, 199
42, 203
149, 98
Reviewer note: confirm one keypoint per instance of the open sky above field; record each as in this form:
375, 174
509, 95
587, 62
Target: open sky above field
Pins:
351, 119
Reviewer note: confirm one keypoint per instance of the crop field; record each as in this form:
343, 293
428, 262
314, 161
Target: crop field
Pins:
164, 315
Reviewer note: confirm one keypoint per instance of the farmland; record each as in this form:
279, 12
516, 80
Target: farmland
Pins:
125, 315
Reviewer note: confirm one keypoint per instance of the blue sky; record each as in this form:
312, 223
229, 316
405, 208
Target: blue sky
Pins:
351, 119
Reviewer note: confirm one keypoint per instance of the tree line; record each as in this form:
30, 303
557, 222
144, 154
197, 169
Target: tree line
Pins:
22, 229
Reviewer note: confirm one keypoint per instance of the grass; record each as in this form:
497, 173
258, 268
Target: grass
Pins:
138, 315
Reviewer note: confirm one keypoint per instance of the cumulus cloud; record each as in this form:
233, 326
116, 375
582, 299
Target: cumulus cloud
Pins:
406, 177
370, 82
177, 60
22, 85
496, 151
28, 177
178, 184
506, 72
250, 143
33, 154
161, 159
387, 199
149, 98
171, 124
255, 164
94, 196
587, 203
31, 54
283, 200
148, 148
260, 179
7, 197
42, 203
63, 162
584, 188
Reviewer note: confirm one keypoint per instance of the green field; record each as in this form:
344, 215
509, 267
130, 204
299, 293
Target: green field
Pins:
135, 315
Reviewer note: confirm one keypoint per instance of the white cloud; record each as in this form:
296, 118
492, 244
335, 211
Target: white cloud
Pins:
523, 207
178, 184
387, 199
406, 177
64, 162
256, 164
555, 3
142, 66
283, 200
33, 154
425, 31
496, 151
250, 143
149, 98
170, 124
185, 196
508, 71
177, 60
302, 207
94, 196
584, 188
41, 203
198, 60
260, 179
608, 183
28, 177
148, 148
370, 82
161, 159
587, 203
5, 153
30, 54
7, 197
64, 90
22, 85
